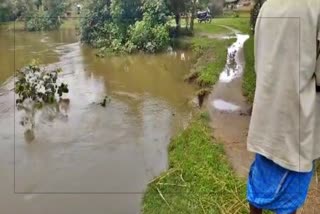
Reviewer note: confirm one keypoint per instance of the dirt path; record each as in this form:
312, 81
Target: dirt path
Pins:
227, 106
229, 112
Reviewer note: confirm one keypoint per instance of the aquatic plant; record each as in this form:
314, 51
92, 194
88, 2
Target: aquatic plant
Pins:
38, 85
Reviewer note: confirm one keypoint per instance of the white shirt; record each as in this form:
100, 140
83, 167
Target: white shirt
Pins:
285, 123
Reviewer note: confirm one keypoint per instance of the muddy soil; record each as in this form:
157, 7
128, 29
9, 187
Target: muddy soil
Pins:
230, 118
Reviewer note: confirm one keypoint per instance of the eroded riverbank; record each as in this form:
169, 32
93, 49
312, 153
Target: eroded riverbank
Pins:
84, 157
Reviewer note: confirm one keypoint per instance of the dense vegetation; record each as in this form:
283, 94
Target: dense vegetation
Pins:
113, 25
36, 14
135, 25
126, 25
46, 16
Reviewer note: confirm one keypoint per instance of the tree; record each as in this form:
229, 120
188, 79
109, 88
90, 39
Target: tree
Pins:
95, 22
47, 17
193, 6
151, 33
5, 11
177, 7
126, 25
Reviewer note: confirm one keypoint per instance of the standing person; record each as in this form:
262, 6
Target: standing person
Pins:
284, 130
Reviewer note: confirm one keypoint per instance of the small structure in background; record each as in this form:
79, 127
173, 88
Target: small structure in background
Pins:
78, 8
238, 4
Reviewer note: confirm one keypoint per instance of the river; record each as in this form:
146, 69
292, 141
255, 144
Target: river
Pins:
90, 159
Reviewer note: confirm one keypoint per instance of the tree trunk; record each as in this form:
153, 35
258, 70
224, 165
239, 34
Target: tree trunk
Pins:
187, 21
193, 11
25, 23
192, 22
178, 19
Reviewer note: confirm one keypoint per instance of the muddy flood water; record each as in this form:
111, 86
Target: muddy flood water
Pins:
85, 158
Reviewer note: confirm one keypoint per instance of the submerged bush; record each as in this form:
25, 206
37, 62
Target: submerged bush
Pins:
38, 85
38, 88
41, 21
45, 15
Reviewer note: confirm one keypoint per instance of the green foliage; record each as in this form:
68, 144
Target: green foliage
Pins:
12, 9
40, 21
149, 38
46, 17
37, 14
38, 85
155, 12
5, 11
126, 26
241, 24
95, 22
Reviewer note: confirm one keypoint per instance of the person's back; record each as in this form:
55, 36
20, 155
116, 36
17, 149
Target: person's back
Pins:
285, 125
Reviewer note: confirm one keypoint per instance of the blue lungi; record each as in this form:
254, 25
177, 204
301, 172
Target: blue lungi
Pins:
272, 187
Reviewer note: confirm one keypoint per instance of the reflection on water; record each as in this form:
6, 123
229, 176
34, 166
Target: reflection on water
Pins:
78, 146
233, 68
224, 106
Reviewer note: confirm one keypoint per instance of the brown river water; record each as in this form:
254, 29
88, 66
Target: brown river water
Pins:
86, 158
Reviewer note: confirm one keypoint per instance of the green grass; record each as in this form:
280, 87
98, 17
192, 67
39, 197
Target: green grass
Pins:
210, 54
241, 24
233, 14
199, 179
213, 53
210, 28
249, 78
211, 59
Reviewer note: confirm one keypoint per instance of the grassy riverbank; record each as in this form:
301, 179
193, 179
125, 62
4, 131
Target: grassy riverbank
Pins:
211, 58
199, 179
